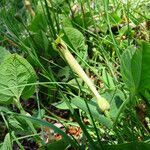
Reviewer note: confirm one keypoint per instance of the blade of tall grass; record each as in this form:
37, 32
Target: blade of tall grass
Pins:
50, 21
106, 3
47, 124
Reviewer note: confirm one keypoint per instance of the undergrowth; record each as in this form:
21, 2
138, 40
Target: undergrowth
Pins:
74, 74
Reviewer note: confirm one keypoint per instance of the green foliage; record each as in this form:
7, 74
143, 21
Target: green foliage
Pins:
79, 103
7, 145
109, 39
74, 38
15, 74
3, 53
135, 69
61, 144
68, 139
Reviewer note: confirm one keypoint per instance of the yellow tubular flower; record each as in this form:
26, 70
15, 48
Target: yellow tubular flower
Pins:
28, 6
63, 50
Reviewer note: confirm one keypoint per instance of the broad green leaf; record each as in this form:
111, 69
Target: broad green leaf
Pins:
126, 68
135, 66
79, 103
145, 66
3, 53
116, 99
74, 38
15, 74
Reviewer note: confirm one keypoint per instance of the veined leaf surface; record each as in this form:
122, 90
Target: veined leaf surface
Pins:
15, 74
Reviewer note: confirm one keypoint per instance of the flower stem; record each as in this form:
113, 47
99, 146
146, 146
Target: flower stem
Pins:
65, 53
